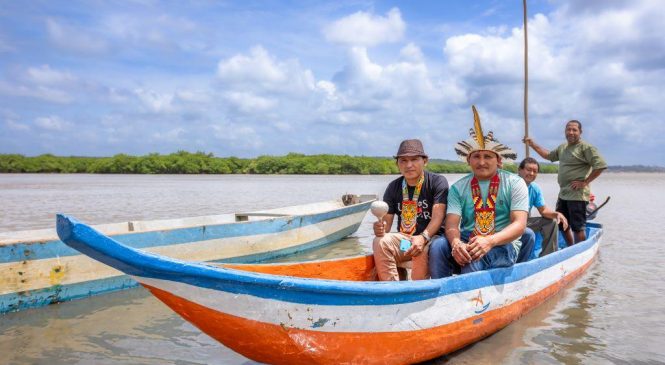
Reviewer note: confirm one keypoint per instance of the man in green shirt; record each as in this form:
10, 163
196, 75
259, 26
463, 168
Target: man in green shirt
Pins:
579, 164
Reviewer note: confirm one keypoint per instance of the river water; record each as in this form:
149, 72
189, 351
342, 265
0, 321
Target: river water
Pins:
613, 314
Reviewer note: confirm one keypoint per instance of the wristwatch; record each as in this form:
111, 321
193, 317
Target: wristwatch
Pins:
426, 236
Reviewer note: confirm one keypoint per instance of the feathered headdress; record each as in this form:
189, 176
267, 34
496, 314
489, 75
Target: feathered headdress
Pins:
481, 142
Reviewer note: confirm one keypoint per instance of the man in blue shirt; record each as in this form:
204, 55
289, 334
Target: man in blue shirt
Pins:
547, 223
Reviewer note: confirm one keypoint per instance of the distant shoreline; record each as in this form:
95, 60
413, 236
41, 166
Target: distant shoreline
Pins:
183, 162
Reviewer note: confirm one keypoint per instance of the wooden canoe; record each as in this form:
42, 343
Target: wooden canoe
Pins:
327, 312
36, 268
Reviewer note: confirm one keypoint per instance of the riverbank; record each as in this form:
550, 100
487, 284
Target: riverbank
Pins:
183, 162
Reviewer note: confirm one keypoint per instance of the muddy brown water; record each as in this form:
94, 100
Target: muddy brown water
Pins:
613, 314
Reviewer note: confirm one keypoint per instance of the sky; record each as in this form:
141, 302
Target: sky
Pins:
250, 78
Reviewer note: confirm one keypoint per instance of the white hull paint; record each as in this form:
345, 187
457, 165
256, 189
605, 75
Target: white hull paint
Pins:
28, 282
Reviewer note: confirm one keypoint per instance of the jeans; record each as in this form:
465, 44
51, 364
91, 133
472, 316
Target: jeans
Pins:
528, 241
442, 264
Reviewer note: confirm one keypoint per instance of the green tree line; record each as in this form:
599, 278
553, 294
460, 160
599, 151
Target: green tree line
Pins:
183, 162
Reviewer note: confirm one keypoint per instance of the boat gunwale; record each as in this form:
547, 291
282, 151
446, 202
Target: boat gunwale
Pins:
286, 288
50, 235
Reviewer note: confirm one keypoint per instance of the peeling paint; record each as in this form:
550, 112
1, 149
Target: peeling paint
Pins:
320, 323
56, 275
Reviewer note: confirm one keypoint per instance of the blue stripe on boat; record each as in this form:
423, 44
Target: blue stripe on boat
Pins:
60, 293
142, 240
296, 290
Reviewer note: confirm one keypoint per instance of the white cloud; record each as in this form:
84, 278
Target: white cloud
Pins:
74, 38
247, 102
194, 96
172, 135
371, 86
498, 58
155, 101
602, 66
412, 53
50, 94
158, 30
41, 82
154, 69
13, 125
365, 29
258, 67
238, 136
52, 123
45, 75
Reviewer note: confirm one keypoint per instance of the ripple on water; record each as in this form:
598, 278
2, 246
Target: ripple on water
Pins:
612, 314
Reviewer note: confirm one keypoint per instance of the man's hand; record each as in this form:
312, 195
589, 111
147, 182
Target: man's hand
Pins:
417, 245
379, 228
578, 184
459, 252
528, 141
479, 246
561, 219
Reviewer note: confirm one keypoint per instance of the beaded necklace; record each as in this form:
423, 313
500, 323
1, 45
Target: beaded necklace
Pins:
409, 212
485, 213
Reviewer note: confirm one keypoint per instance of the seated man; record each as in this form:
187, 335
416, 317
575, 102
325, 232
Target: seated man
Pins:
418, 198
547, 223
487, 211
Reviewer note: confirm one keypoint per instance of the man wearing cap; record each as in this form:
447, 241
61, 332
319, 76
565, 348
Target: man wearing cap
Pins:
579, 164
418, 199
487, 210
547, 223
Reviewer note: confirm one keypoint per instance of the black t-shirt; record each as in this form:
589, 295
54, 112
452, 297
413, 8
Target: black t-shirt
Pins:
433, 191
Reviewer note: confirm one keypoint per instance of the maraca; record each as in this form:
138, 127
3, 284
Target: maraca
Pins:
379, 209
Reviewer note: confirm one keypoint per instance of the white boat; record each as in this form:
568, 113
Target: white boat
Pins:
36, 268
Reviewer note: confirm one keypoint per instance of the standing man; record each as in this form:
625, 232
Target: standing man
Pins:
418, 198
579, 164
547, 223
487, 210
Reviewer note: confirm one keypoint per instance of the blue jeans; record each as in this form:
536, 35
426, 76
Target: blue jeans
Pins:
528, 242
442, 264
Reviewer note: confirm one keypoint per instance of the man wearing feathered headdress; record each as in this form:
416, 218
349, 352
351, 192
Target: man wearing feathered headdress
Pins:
487, 210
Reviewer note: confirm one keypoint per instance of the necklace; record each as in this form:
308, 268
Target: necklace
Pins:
485, 213
409, 212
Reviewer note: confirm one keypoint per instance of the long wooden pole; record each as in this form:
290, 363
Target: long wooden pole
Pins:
526, 81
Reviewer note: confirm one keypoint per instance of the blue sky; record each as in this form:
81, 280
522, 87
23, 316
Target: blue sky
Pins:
247, 78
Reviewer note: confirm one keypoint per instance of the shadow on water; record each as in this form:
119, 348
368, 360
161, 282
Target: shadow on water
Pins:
555, 332
573, 342
128, 327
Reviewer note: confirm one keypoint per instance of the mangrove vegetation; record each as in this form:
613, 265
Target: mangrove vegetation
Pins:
183, 162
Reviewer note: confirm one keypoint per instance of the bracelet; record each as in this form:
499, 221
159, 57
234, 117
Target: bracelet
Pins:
426, 236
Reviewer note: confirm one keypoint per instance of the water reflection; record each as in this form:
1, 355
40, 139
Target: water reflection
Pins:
575, 340
612, 314
128, 327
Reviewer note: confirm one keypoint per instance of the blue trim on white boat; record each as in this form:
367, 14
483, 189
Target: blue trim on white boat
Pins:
291, 289
142, 240
61, 293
